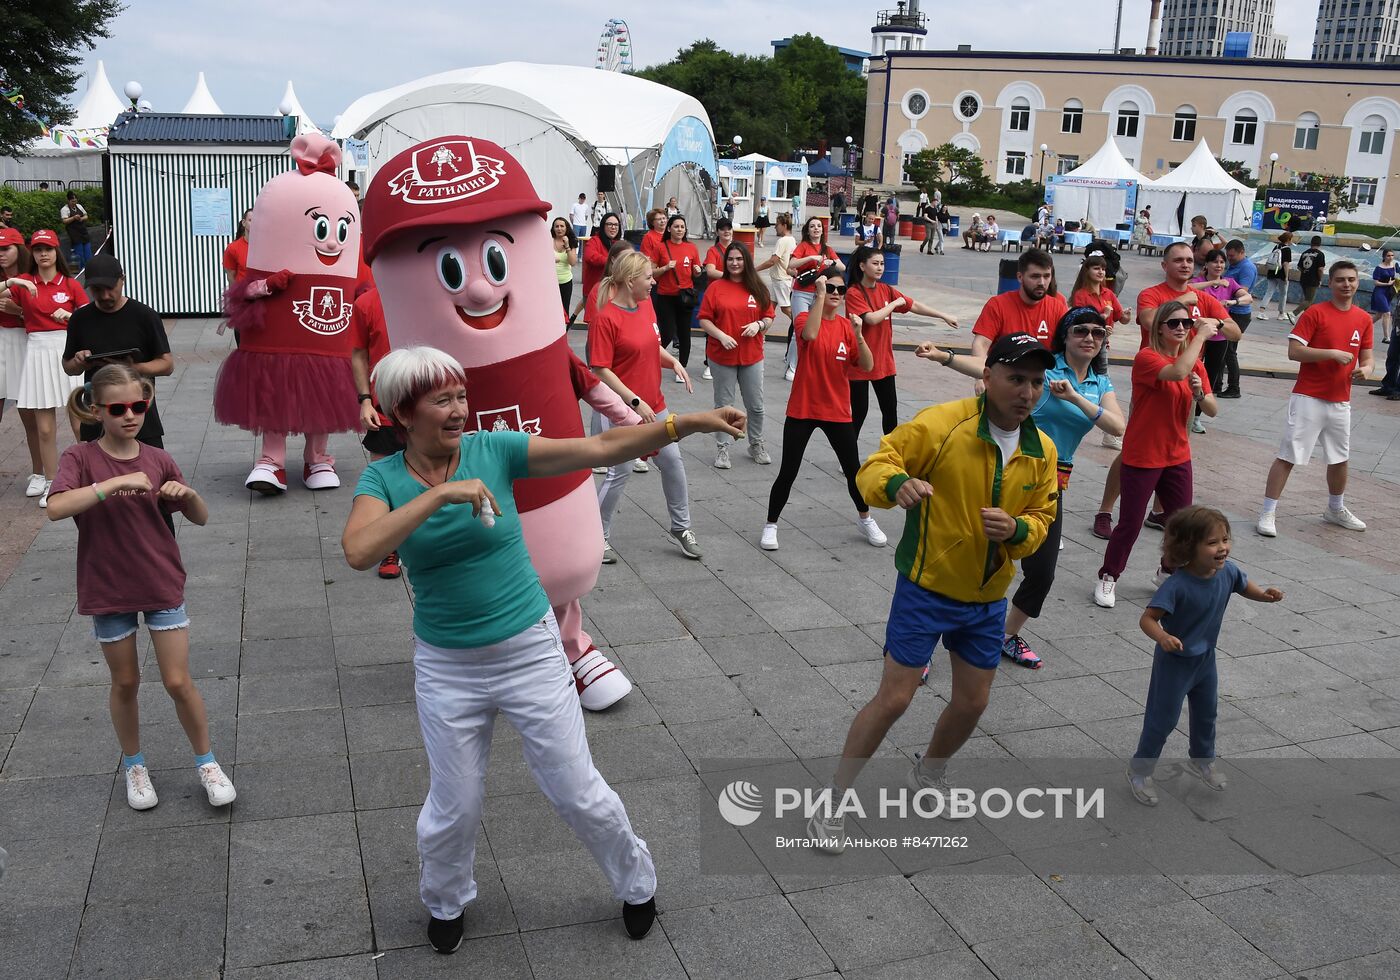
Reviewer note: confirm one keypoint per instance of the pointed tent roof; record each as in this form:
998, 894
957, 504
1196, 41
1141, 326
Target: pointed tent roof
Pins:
99, 105
292, 105
1108, 163
1201, 172
201, 102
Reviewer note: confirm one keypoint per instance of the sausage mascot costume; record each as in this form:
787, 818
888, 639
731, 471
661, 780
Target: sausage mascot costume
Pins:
459, 245
291, 370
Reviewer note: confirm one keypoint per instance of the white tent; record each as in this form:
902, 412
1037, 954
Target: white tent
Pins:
1103, 188
201, 101
99, 105
291, 106
74, 150
1199, 186
565, 124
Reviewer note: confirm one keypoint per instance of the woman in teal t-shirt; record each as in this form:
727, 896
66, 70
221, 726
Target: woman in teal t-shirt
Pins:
486, 638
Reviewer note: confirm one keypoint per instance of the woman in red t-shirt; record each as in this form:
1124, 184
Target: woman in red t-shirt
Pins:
14, 262
812, 253
821, 399
675, 274
1168, 379
48, 298
624, 350
735, 316
236, 254
875, 304
595, 258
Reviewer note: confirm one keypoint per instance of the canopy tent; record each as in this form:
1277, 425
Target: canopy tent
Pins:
1104, 189
573, 129
824, 168
291, 106
769, 179
201, 101
74, 150
1199, 186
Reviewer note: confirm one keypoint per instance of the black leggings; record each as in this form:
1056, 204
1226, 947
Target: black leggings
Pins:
673, 320
796, 434
566, 292
1038, 569
1214, 356
884, 394
1232, 359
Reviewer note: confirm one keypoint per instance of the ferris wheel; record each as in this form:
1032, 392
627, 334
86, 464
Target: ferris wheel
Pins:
615, 47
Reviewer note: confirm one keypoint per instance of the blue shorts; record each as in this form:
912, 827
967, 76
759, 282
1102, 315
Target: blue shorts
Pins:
113, 627
920, 618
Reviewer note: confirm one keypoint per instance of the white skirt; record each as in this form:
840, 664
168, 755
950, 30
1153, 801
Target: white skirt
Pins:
42, 383
12, 344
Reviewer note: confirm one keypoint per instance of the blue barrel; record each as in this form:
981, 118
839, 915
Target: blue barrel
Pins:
1006, 276
848, 225
891, 276
953, 226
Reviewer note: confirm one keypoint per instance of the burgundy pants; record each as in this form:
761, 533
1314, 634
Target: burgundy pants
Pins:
1171, 483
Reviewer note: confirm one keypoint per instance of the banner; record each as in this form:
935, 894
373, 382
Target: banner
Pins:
1293, 210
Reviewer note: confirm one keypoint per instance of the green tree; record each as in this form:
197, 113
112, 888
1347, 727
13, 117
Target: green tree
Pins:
954, 170
1242, 173
1340, 199
41, 50
812, 64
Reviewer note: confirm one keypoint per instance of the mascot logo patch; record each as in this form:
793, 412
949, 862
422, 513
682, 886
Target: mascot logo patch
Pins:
325, 311
448, 171
506, 420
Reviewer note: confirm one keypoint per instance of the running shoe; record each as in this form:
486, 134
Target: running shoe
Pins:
1340, 517
1144, 789
872, 532
446, 934
919, 779
769, 540
140, 794
1103, 525
1261, 315
707, 376
1380, 391
789, 374
1104, 592
759, 454
48, 485
680, 380
37, 481
827, 833
640, 466
638, 919
389, 567
1290, 318
1159, 577
689, 546
722, 458
1207, 772
1019, 651
1229, 393
1156, 520
1266, 525
609, 556
600, 471
923, 677
267, 480
1197, 426
1110, 441
216, 785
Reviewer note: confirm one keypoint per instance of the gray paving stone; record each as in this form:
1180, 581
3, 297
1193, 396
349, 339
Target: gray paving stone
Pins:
1153, 940
991, 905
1380, 966
52, 874
305, 734
692, 699
1295, 927
286, 655
389, 779
337, 968
842, 644
1088, 698
667, 659
289, 691
747, 654
287, 624
599, 951
75, 751
729, 742
376, 684
296, 890
898, 922
1076, 951
383, 728
382, 647
1295, 841
13, 705
498, 957
950, 964
292, 788
1373, 891
757, 937
551, 889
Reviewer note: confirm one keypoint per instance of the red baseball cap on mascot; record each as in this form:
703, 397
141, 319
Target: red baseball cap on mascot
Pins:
445, 181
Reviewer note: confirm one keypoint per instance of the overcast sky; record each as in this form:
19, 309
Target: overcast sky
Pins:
337, 50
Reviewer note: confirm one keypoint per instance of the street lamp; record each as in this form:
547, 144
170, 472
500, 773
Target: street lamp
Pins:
738, 144
133, 92
1273, 159
1044, 148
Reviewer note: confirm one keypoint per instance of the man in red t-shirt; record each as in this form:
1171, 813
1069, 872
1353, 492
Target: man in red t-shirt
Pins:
369, 342
1030, 309
1332, 344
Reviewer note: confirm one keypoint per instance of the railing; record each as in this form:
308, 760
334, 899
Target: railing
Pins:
54, 184
900, 18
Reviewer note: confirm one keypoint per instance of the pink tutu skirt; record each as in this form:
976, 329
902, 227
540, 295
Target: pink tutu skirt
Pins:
286, 393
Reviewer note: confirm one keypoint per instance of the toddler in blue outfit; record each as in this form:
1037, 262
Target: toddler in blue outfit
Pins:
1184, 619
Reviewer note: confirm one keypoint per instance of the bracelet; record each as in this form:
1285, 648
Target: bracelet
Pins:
365, 398
949, 361
1097, 415
671, 428
100, 495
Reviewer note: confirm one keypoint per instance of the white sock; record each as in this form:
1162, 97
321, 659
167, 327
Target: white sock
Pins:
1336, 501
1270, 505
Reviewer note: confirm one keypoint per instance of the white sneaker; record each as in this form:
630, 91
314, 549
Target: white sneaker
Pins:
1265, 525
759, 454
1103, 591
1290, 318
600, 471
1110, 441
789, 373
872, 532
1143, 788
48, 484
1197, 426
769, 540
680, 380
217, 785
640, 466
1340, 517
827, 833
1159, 577
140, 794
1207, 772
722, 458
1261, 315
35, 486
707, 376
919, 779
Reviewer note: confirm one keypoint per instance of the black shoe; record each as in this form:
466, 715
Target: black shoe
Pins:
638, 918
1379, 391
1158, 522
1394, 396
446, 934
1231, 393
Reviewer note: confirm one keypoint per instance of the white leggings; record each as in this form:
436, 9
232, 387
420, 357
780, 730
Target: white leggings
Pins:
527, 678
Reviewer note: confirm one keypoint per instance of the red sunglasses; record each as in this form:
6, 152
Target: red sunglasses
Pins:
118, 409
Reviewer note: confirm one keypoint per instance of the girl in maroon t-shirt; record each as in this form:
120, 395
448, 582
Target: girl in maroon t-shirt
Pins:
118, 491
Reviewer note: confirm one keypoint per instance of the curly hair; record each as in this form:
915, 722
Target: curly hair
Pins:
1186, 529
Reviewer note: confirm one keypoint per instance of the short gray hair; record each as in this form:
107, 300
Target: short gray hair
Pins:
407, 374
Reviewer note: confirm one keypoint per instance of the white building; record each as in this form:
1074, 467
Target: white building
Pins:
1197, 28
1350, 30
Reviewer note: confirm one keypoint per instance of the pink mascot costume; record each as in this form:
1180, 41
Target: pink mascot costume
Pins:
460, 249
291, 372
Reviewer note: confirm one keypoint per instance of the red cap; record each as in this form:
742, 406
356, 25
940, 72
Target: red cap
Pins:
445, 181
43, 237
10, 236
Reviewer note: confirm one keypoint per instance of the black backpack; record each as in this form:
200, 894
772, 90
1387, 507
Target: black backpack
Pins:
1108, 252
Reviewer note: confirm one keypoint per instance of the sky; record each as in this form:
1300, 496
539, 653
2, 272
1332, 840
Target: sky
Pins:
334, 51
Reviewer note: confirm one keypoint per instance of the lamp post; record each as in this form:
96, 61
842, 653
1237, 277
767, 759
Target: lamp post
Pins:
1044, 148
1273, 159
133, 92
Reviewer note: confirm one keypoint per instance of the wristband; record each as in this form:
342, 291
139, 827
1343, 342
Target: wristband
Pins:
949, 361
365, 398
1098, 415
100, 495
671, 428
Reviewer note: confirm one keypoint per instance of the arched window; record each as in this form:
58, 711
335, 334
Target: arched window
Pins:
1305, 133
1020, 115
1072, 117
1246, 129
1184, 124
1373, 135
1128, 120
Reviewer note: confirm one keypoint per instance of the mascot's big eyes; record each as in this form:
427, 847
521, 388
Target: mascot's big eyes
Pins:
322, 228
342, 230
493, 260
451, 270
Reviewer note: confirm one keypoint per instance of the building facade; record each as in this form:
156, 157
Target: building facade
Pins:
1318, 118
1357, 31
1197, 28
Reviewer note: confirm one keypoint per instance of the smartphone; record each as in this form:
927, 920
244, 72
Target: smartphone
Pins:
114, 355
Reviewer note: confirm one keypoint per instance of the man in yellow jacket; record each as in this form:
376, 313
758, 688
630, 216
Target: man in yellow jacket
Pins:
976, 479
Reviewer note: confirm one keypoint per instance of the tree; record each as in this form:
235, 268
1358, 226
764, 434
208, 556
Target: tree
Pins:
955, 170
1340, 199
41, 49
1238, 170
812, 64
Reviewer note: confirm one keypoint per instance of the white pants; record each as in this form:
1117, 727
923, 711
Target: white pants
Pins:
528, 678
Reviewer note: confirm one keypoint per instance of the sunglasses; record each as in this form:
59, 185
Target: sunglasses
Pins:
836, 288
1084, 330
118, 409
1183, 324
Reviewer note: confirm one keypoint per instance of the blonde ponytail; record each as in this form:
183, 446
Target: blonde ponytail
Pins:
82, 403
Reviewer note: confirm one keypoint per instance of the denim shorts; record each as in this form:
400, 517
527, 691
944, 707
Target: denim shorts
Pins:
919, 619
112, 627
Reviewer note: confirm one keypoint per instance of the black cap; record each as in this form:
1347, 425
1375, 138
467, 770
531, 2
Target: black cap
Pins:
103, 270
1012, 348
